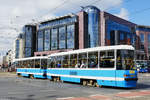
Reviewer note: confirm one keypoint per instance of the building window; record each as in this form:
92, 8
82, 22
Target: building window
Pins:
70, 36
54, 39
28, 37
17, 49
47, 40
142, 38
28, 52
149, 43
142, 41
122, 36
114, 26
62, 38
40, 41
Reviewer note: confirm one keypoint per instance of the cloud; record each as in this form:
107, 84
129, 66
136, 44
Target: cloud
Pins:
123, 14
16, 13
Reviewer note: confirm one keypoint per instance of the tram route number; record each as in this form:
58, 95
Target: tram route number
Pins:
73, 73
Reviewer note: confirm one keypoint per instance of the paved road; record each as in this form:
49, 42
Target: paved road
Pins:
19, 88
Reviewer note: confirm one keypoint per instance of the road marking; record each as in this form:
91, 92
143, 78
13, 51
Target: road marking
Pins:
133, 94
64, 98
100, 97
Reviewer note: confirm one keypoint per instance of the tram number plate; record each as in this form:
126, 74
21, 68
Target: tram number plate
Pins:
131, 72
73, 73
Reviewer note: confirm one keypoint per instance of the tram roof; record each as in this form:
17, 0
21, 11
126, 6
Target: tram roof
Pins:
29, 58
118, 47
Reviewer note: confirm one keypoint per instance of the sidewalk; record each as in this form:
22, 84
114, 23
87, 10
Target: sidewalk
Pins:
7, 74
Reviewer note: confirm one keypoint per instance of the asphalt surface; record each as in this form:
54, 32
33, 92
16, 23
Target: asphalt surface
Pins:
20, 88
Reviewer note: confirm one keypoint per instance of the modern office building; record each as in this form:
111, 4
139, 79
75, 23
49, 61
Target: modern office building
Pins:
29, 32
143, 43
19, 46
88, 28
99, 28
56, 35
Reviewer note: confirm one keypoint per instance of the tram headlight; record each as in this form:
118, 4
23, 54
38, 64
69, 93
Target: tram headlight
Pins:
125, 75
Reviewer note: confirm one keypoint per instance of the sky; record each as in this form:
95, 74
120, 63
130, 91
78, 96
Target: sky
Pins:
16, 13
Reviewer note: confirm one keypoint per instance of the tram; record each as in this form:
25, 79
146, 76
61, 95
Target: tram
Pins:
32, 67
99, 66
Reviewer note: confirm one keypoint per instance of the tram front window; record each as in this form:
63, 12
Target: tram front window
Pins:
125, 60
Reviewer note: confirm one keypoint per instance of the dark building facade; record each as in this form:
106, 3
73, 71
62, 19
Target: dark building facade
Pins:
30, 40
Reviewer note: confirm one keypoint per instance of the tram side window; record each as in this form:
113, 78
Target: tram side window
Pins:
17, 64
93, 60
30, 63
59, 62
27, 64
24, 64
43, 63
20, 64
73, 61
107, 59
83, 60
52, 62
66, 61
48, 62
37, 63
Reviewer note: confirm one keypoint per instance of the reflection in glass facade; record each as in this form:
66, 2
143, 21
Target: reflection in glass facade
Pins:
149, 43
28, 52
28, 37
57, 34
142, 41
40, 41
142, 38
30, 40
70, 36
125, 35
62, 37
54, 40
58, 22
47, 40
93, 25
122, 36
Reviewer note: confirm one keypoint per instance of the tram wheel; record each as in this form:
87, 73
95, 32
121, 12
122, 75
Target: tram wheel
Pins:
55, 79
84, 83
19, 75
95, 84
31, 76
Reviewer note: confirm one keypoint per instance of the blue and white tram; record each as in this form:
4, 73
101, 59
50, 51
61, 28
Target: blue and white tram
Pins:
99, 66
32, 67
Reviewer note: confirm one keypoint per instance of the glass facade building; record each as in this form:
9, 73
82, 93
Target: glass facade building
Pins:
93, 20
119, 34
57, 34
30, 40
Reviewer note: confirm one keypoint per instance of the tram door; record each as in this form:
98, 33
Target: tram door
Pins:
107, 63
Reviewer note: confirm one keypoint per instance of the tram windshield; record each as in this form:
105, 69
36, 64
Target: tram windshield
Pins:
125, 60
